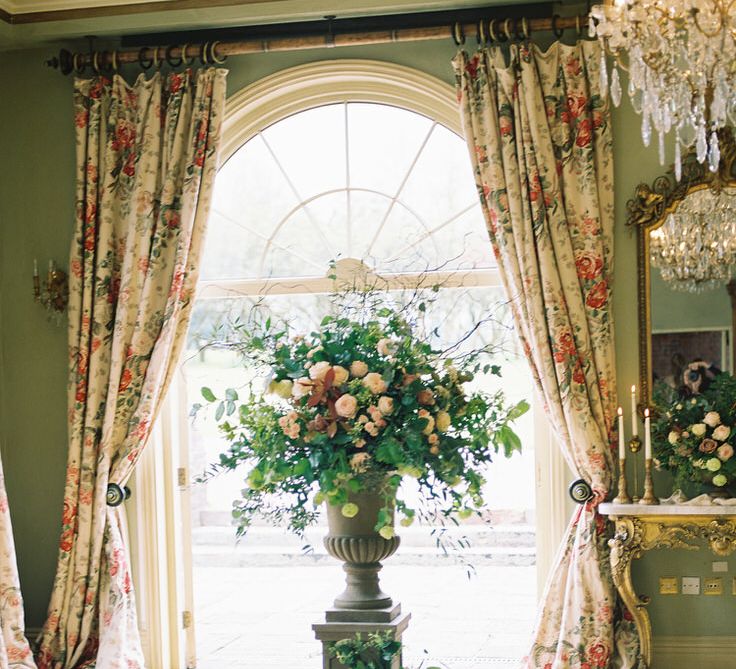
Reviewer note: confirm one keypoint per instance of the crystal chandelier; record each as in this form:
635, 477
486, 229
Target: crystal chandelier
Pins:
695, 248
680, 57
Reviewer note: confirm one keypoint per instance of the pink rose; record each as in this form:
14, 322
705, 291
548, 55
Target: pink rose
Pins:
346, 406
386, 405
725, 452
358, 369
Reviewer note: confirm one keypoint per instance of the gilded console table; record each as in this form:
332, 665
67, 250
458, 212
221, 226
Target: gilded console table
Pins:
640, 528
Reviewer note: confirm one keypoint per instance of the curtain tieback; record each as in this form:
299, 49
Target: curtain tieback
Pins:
116, 495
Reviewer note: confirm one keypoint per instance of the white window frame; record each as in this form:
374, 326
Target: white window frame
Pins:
159, 511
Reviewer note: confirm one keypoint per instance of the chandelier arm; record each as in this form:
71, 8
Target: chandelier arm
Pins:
721, 27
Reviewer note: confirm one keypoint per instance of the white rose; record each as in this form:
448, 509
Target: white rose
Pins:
712, 418
721, 432
346, 406
375, 383
301, 387
318, 370
698, 429
358, 369
341, 375
673, 437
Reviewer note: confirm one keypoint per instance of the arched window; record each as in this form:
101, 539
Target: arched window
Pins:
361, 164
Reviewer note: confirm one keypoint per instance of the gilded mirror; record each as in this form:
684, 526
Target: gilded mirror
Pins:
686, 239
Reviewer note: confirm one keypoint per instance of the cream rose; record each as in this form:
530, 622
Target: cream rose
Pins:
375, 383
318, 370
429, 427
442, 421
385, 346
721, 433
712, 418
720, 480
341, 375
301, 387
386, 405
673, 437
358, 369
713, 465
346, 406
698, 429
281, 388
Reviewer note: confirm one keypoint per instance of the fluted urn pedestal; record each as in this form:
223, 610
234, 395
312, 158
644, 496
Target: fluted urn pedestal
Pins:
363, 607
355, 542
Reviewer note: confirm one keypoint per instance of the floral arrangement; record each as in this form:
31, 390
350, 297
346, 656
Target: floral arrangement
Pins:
357, 405
694, 437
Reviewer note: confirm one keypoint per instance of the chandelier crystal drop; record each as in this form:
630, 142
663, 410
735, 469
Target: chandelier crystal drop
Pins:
695, 248
680, 57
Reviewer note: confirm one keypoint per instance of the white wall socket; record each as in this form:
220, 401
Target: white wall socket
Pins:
690, 585
720, 566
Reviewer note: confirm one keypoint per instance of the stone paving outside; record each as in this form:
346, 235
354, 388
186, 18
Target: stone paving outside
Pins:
260, 617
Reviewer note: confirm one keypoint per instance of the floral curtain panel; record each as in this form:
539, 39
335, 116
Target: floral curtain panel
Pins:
539, 133
146, 162
14, 649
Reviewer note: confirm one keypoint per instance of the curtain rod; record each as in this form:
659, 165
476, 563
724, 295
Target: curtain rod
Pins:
488, 31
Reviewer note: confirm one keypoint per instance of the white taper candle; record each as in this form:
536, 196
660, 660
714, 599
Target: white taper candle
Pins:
647, 436
621, 443
634, 419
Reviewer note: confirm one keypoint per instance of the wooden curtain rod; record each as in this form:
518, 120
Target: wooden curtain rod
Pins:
489, 31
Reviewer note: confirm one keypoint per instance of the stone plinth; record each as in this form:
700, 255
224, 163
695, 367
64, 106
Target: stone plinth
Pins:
329, 632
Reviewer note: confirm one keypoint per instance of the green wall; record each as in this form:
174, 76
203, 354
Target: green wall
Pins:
36, 211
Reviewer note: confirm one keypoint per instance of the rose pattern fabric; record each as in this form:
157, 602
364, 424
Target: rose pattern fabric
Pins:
146, 162
15, 651
539, 132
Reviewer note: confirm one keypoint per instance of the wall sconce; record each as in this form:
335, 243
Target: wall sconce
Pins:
54, 294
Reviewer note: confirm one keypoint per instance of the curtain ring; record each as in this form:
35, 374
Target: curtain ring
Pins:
184, 56
144, 62
525, 28
156, 59
458, 36
78, 63
481, 33
203, 53
95, 63
492, 31
518, 35
169, 58
557, 32
507, 29
213, 54
577, 25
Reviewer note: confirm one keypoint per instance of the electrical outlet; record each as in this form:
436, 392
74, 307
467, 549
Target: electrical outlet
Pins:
690, 585
713, 586
668, 585
720, 567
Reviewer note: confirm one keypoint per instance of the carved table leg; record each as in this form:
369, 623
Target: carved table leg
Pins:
626, 546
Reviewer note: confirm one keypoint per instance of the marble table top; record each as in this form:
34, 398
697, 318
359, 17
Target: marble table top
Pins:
609, 509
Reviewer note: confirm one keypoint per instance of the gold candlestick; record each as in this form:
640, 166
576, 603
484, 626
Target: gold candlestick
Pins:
635, 447
623, 493
649, 497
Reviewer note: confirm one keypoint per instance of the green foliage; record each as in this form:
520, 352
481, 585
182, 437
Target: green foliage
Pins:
363, 400
377, 651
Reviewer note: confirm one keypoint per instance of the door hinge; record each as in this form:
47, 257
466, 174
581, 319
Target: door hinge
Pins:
182, 477
186, 619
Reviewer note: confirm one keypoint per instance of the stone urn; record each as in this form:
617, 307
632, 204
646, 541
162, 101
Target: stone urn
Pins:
355, 542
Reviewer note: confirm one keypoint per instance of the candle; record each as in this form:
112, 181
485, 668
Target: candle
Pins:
647, 436
621, 444
35, 267
51, 266
634, 420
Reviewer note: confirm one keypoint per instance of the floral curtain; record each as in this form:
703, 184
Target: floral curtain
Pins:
539, 132
14, 649
146, 161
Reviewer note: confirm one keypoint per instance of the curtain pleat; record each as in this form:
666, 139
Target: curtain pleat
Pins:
538, 129
146, 161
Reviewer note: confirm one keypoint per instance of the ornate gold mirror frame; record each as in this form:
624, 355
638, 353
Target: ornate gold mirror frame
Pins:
647, 211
